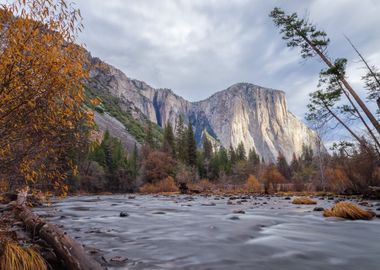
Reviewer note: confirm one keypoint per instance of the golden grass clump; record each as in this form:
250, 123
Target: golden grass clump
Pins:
166, 185
15, 257
303, 200
348, 210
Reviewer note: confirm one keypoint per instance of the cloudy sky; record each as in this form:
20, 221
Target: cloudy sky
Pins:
199, 47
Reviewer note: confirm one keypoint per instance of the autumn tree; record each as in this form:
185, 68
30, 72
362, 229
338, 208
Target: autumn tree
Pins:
272, 178
157, 166
42, 73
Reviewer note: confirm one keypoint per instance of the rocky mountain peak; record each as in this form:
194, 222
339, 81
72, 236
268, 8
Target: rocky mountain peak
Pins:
243, 113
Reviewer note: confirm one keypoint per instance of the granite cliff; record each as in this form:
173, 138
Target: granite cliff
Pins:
254, 115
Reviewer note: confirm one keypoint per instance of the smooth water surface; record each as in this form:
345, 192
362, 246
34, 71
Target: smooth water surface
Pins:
196, 232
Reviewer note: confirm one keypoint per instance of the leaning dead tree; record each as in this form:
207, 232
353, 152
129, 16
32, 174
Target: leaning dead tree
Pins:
70, 251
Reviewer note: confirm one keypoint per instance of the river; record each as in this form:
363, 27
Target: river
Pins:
198, 232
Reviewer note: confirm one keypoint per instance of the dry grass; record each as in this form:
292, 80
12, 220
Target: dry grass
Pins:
348, 210
16, 257
303, 200
163, 186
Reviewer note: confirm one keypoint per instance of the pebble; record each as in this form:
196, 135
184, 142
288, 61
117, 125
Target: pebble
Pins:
318, 209
239, 212
208, 204
124, 214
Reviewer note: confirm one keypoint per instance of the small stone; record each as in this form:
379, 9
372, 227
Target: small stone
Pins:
208, 204
159, 213
239, 212
124, 214
378, 209
287, 198
119, 259
318, 209
234, 218
230, 203
131, 197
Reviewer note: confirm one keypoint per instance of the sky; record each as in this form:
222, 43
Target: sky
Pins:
199, 47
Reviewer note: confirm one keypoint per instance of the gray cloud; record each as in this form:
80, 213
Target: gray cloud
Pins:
199, 47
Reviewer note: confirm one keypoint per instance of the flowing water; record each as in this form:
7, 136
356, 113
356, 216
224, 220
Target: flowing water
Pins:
183, 232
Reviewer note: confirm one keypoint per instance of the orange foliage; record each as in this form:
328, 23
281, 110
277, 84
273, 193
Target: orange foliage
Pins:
166, 185
204, 185
253, 184
41, 91
337, 179
272, 178
157, 165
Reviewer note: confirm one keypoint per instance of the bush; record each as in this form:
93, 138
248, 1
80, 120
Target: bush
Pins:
157, 165
204, 185
252, 185
348, 210
166, 185
338, 181
303, 200
272, 178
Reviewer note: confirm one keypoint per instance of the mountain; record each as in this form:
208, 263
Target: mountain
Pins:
254, 115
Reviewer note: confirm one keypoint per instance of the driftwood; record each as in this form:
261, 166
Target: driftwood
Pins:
70, 251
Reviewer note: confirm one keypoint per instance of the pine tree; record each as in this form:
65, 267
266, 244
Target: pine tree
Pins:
240, 152
149, 140
253, 157
207, 148
283, 167
232, 155
180, 140
295, 164
191, 146
133, 163
169, 140
224, 163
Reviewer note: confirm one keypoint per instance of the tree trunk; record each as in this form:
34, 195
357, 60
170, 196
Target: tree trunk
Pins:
353, 93
71, 252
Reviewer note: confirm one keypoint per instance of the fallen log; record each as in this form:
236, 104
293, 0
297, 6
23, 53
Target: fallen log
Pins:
70, 251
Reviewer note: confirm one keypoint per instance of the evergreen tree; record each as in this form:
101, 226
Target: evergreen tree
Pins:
224, 163
295, 164
133, 163
149, 140
253, 157
207, 148
307, 154
180, 140
169, 140
283, 167
232, 155
240, 152
191, 146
